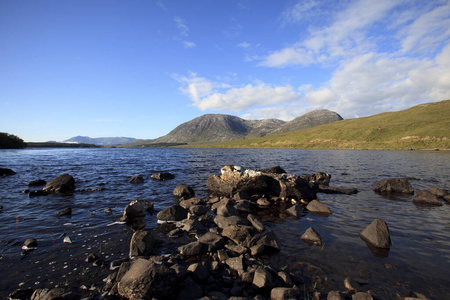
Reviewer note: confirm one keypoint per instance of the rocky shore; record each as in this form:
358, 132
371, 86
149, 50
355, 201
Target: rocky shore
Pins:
225, 244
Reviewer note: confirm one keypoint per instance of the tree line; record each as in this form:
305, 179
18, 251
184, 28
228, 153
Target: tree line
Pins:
10, 141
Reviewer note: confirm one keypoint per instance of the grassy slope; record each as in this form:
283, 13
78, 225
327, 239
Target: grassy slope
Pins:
425, 126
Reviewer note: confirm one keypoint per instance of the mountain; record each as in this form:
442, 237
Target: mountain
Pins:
103, 141
425, 126
309, 120
215, 128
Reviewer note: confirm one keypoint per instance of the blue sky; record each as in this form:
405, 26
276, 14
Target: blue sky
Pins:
140, 68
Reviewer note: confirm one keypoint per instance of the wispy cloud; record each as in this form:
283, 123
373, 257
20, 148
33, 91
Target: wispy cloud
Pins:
188, 44
243, 45
181, 25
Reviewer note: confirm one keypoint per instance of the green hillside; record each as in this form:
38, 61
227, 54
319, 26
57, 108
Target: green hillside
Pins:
426, 126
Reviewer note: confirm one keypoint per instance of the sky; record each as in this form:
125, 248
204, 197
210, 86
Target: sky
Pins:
139, 68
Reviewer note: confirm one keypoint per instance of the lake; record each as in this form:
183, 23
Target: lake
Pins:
419, 258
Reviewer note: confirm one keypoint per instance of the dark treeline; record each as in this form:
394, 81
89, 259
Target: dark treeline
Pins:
10, 141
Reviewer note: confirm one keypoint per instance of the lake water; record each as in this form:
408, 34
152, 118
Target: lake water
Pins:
419, 259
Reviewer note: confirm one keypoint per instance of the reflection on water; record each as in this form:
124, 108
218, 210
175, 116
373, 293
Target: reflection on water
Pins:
419, 258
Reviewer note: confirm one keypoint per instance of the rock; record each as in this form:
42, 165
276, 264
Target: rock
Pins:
284, 293
295, 210
30, 243
199, 271
317, 207
257, 250
142, 243
236, 263
198, 210
64, 184
351, 285
336, 190
67, 240
223, 222
162, 176
6, 172
440, 193
361, 296
245, 236
21, 294
320, 178
334, 295
212, 241
243, 206
285, 278
183, 191
52, 294
147, 280
173, 213
190, 249
270, 242
273, 170
263, 202
38, 193
133, 210
65, 212
194, 201
312, 237
393, 186
227, 210
256, 222
37, 182
91, 257
108, 210
262, 278
193, 226
136, 179
189, 290
426, 198
222, 255
377, 234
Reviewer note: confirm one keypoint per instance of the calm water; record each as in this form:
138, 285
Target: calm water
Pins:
419, 259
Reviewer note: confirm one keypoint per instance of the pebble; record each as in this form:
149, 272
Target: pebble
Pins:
67, 240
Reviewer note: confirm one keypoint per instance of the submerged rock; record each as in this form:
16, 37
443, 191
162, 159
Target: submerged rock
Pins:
137, 179
393, 186
6, 172
377, 234
425, 197
64, 184
162, 176
311, 236
37, 193
37, 182
317, 207
65, 212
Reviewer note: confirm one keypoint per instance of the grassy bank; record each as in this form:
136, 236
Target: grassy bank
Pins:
425, 126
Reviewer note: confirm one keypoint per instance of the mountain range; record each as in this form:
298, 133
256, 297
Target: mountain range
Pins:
214, 128
102, 141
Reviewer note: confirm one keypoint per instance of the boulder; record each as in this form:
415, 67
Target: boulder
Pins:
311, 236
142, 243
37, 182
334, 295
184, 191
162, 176
227, 210
193, 248
146, 280
262, 278
6, 172
133, 210
223, 222
317, 207
270, 242
320, 178
295, 210
440, 193
236, 263
212, 241
173, 213
191, 202
64, 184
361, 296
189, 290
256, 222
284, 293
245, 236
336, 190
393, 186
200, 271
427, 198
52, 294
137, 179
273, 170
377, 234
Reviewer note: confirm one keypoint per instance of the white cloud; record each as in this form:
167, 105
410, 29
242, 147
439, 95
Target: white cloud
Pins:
181, 25
243, 45
189, 44
209, 95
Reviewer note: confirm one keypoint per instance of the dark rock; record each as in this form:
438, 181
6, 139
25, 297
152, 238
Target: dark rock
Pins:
91, 257
320, 178
38, 193
351, 285
137, 179
193, 248
223, 222
133, 210
189, 290
199, 271
6, 172
311, 236
30, 243
245, 236
184, 191
285, 278
262, 278
65, 212
227, 210
64, 184
243, 206
440, 193
427, 198
37, 182
393, 186
173, 213
162, 176
142, 243
284, 293
236, 263
295, 210
198, 210
270, 242
193, 226
335, 190
191, 202
377, 234
361, 296
108, 210
52, 294
212, 241
334, 295
256, 222
317, 207
272, 170
21, 294
147, 280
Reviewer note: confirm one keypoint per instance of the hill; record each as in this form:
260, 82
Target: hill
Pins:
425, 126
102, 141
214, 128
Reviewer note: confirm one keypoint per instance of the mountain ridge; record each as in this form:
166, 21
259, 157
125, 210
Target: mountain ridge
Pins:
101, 141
